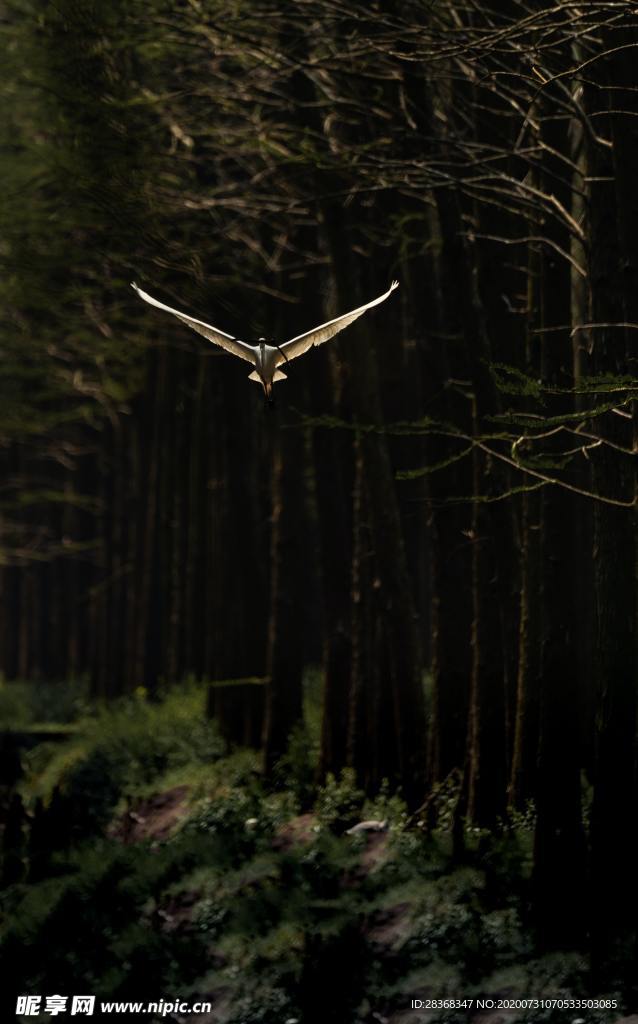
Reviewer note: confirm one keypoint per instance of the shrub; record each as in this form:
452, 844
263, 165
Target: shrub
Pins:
125, 749
23, 704
340, 801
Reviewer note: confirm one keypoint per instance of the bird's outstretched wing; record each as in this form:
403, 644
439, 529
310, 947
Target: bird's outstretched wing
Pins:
234, 345
297, 346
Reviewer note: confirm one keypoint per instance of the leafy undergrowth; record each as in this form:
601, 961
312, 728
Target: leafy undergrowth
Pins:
162, 867
26, 705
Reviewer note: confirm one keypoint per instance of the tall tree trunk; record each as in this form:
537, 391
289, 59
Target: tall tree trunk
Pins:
333, 482
148, 602
522, 784
288, 573
559, 850
614, 283
486, 760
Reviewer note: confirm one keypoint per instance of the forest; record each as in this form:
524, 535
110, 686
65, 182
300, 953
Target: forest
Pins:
406, 594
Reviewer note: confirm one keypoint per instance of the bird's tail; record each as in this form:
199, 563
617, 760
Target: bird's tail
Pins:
278, 375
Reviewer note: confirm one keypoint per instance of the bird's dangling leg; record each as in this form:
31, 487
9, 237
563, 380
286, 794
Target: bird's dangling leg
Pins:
270, 401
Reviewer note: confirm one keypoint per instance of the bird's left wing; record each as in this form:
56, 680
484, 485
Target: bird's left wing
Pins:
297, 346
233, 345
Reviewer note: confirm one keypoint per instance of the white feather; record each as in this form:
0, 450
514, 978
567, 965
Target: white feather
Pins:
226, 341
297, 346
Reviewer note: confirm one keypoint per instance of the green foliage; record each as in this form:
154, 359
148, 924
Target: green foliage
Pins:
228, 820
387, 806
512, 381
263, 1005
237, 904
444, 798
340, 801
151, 737
123, 751
297, 769
94, 925
241, 821
23, 704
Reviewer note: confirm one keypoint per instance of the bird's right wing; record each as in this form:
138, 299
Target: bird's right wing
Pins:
297, 346
234, 345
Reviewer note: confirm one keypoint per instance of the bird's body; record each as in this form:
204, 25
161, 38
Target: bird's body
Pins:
268, 358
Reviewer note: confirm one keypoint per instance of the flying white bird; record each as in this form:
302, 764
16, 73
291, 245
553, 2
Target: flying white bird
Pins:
264, 357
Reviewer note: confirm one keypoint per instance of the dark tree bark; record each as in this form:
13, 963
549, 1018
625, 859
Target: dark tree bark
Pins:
288, 583
614, 284
486, 762
333, 482
559, 850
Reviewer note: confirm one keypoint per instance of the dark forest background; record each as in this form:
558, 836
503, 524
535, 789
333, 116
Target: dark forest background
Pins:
440, 511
